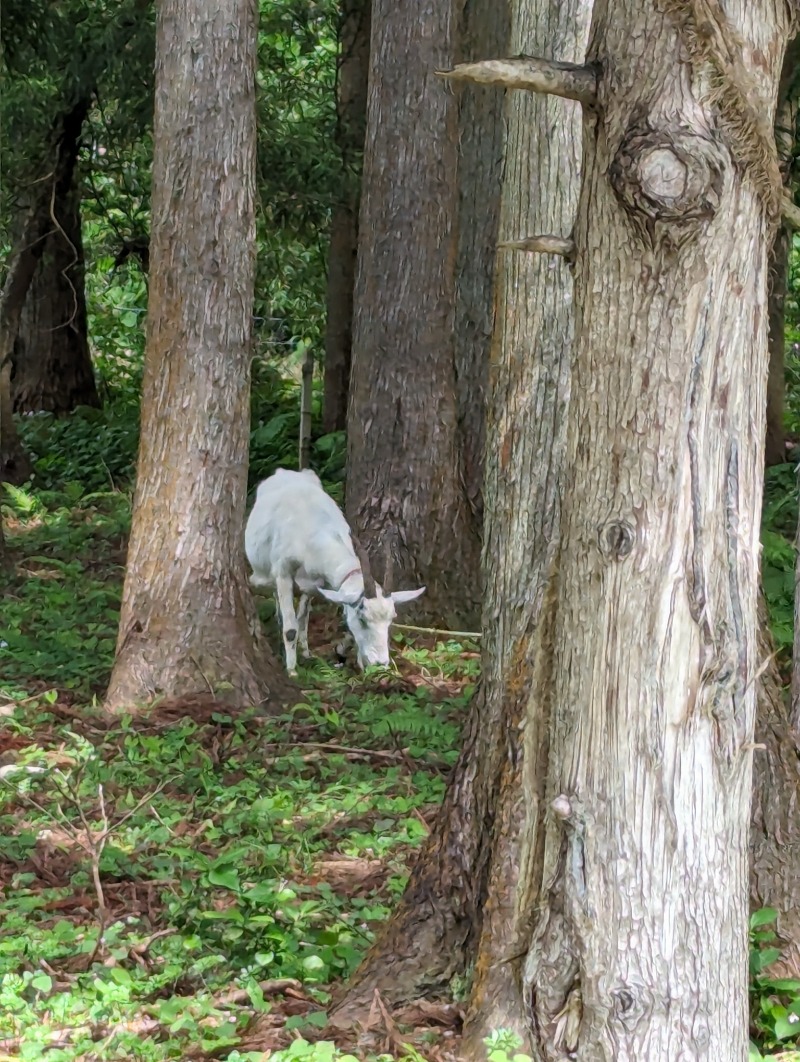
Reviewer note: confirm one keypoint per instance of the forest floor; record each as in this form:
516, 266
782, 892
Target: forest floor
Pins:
193, 884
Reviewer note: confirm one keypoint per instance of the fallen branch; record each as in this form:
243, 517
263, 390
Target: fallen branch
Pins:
268, 988
437, 630
569, 80
328, 746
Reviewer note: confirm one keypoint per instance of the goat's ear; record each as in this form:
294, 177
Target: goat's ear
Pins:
331, 595
401, 596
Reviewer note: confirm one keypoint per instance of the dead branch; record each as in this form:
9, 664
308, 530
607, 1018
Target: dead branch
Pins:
569, 80
327, 746
436, 630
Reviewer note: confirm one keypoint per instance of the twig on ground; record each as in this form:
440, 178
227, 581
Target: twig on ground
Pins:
437, 630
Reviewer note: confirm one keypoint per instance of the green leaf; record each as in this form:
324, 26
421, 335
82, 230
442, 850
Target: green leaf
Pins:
224, 875
763, 917
785, 1028
42, 982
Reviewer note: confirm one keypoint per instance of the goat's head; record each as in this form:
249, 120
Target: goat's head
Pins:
370, 609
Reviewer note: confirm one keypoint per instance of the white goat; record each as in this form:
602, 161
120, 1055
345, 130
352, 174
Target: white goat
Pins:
296, 535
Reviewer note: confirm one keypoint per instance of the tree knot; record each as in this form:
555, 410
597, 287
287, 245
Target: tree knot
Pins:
617, 539
671, 176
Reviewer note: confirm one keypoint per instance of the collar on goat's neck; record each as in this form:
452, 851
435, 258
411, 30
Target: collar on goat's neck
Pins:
355, 571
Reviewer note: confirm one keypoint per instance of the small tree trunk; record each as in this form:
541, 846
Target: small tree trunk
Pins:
405, 477
188, 625
14, 464
52, 369
306, 396
351, 115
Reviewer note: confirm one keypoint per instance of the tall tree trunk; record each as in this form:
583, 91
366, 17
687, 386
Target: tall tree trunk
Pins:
433, 935
351, 117
486, 30
635, 951
188, 624
52, 369
785, 120
14, 464
636, 752
405, 477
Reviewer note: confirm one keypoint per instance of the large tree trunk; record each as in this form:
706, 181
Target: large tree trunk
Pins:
638, 942
433, 934
785, 119
14, 464
351, 116
636, 752
52, 369
405, 478
188, 625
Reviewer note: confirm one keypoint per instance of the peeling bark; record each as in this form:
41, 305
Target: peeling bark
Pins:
351, 115
188, 624
405, 475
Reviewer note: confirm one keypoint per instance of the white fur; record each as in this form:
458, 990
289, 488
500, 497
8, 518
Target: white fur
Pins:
296, 535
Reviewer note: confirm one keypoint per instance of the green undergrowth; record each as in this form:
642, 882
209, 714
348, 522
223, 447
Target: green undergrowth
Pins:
191, 884
195, 884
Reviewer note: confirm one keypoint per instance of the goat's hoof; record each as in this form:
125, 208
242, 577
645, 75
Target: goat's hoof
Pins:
307, 655
292, 672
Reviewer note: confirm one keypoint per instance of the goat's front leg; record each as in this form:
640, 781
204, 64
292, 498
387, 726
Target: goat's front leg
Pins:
283, 592
303, 613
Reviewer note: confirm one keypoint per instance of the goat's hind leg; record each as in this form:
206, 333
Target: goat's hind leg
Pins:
285, 596
303, 613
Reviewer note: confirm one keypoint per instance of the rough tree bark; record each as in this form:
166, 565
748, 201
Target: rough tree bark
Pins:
631, 949
433, 934
486, 30
635, 951
51, 366
785, 120
188, 624
405, 478
351, 117
20, 270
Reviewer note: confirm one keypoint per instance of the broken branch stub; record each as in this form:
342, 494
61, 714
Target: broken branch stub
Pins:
570, 80
542, 245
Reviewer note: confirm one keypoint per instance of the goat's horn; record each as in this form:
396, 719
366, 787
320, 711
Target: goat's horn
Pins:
387, 569
366, 571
